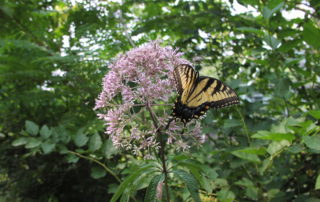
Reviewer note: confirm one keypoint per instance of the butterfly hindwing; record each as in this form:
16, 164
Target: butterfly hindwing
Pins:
198, 94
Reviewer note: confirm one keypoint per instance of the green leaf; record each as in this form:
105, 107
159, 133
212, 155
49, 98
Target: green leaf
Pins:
266, 135
246, 156
191, 183
273, 3
317, 182
61, 134
265, 165
32, 143
313, 142
151, 193
250, 29
253, 150
32, 128
275, 147
20, 141
97, 172
249, 2
108, 149
125, 184
296, 148
140, 182
252, 193
315, 114
95, 142
267, 13
230, 123
125, 197
311, 34
226, 195
45, 132
47, 147
81, 139
245, 182
289, 45
283, 86
271, 41
72, 158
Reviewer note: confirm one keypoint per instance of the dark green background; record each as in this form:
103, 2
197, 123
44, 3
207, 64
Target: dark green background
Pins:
274, 66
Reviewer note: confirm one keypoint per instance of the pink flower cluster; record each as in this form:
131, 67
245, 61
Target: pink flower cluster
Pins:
142, 75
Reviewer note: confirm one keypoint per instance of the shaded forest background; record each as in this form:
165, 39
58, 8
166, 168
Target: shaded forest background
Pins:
54, 53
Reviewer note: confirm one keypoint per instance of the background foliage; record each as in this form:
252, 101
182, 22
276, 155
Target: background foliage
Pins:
55, 52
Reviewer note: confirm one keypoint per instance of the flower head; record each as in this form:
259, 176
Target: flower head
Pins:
141, 77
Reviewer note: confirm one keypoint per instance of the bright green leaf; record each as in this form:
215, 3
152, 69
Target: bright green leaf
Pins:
246, 156
275, 147
250, 29
45, 132
230, 123
20, 141
272, 42
311, 34
226, 195
32, 143
245, 182
81, 138
289, 45
252, 193
61, 134
253, 150
313, 142
266, 12
315, 114
32, 128
97, 172
130, 179
72, 158
266, 135
47, 147
191, 183
108, 149
151, 192
249, 2
296, 148
283, 86
317, 182
266, 163
95, 142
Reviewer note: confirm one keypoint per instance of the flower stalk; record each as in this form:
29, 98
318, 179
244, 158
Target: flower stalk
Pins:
160, 137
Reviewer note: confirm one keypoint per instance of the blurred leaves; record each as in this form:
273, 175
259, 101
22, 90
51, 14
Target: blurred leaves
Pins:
53, 55
311, 34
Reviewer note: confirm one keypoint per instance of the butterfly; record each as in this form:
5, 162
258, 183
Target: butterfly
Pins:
197, 94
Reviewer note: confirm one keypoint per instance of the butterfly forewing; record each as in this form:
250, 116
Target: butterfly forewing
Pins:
185, 77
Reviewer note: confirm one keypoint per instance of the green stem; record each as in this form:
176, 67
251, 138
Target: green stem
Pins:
98, 162
162, 155
244, 126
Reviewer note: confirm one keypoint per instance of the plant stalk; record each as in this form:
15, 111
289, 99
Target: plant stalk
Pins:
162, 155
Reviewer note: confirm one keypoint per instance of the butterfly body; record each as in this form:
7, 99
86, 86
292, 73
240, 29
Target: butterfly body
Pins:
197, 94
186, 113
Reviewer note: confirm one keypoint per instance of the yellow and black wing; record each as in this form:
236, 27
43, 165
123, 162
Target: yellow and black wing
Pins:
185, 77
198, 94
